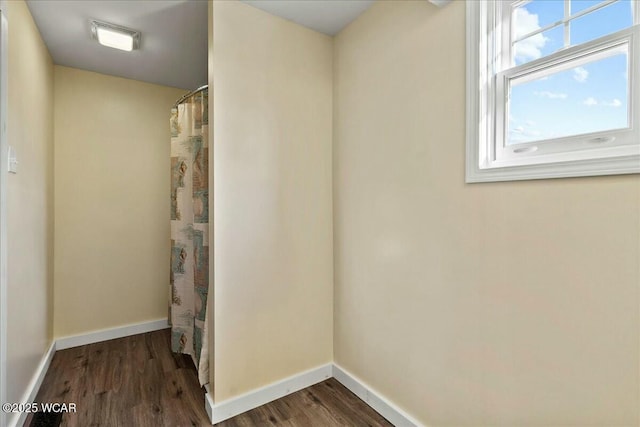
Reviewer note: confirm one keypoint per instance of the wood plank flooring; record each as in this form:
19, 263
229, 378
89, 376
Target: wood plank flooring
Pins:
326, 404
132, 381
137, 381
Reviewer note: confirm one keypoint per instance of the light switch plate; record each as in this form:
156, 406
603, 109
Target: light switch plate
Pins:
13, 160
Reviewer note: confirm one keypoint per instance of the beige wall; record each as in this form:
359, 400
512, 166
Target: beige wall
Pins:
272, 197
111, 200
29, 201
486, 304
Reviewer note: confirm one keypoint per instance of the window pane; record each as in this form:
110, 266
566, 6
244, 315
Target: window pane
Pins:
608, 20
588, 98
580, 5
537, 46
536, 14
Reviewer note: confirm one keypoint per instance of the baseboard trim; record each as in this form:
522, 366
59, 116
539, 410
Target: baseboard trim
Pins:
208, 405
243, 403
19, 418
110, 334
373, 398
237, 405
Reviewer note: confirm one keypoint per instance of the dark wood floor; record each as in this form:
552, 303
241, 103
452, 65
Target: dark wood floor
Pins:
137, 381
132, 381
326, 404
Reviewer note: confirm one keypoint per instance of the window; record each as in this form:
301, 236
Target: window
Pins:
552, 88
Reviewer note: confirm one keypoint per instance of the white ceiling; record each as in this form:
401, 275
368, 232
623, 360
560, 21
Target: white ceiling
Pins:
173, 49
325, 16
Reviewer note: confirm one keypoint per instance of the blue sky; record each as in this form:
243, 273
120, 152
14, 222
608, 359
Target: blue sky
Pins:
588, 98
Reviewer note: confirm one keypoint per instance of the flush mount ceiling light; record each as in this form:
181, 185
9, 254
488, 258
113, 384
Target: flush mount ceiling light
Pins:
115, 36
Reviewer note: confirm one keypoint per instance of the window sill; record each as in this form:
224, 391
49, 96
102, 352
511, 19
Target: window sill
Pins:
593, 167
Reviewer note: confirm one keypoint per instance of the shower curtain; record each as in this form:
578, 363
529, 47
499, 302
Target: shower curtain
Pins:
189, 273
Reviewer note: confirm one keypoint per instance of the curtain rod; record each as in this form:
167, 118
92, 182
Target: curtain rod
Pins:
188, 94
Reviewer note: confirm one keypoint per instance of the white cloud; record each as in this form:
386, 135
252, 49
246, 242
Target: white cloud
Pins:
531, 47
580, 74
590, 101
551, 95
522, 134
615, 103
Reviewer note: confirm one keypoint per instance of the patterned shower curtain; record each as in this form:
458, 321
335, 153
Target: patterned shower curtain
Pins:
189, 277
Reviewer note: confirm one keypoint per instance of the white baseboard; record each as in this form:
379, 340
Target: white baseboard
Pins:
110, 334
208, 401
208, 405
237, 405
383, 406
19, 418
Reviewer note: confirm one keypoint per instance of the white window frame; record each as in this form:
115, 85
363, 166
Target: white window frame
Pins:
487, 160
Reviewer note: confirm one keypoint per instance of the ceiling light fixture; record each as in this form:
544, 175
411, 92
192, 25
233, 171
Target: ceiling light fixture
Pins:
115, 36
